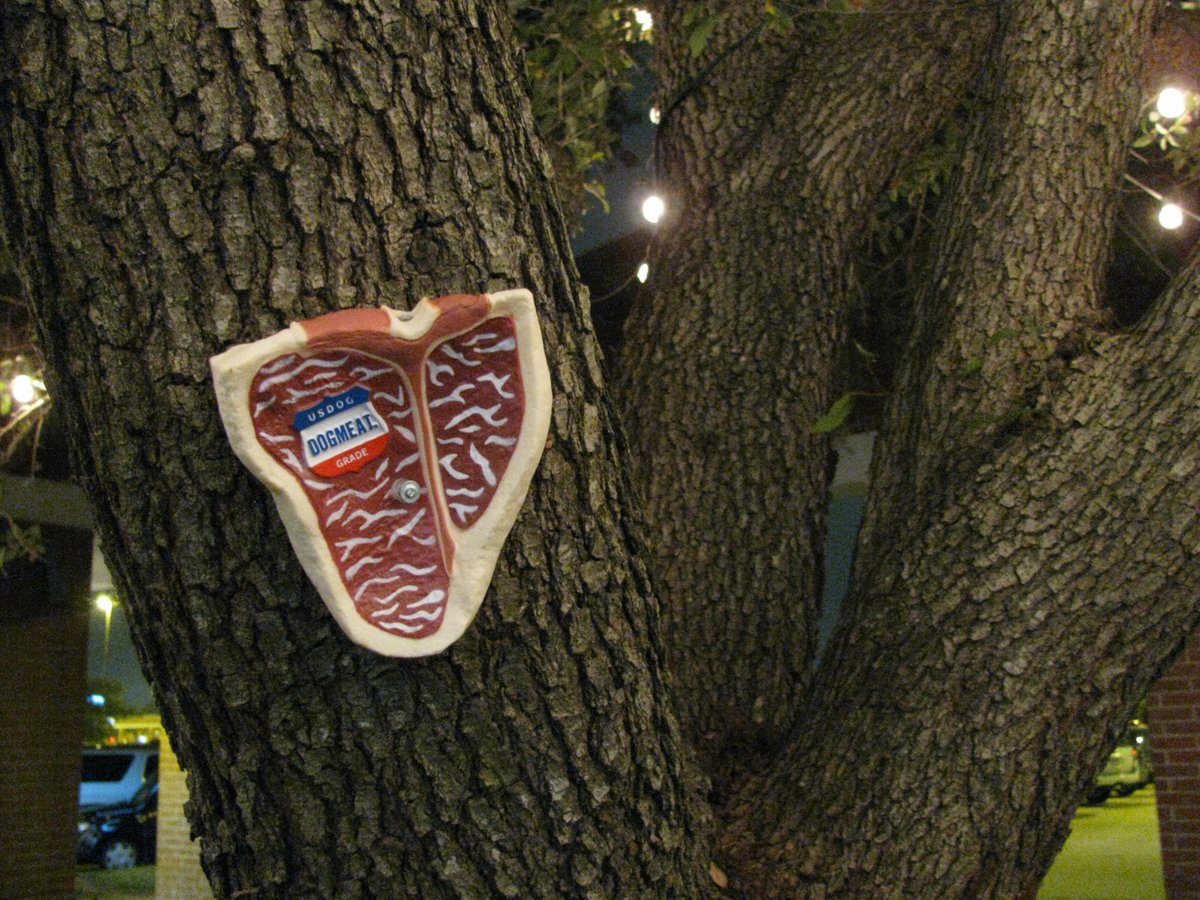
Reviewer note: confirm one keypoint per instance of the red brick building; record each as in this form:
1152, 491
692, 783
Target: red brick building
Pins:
43, 645
1174, 711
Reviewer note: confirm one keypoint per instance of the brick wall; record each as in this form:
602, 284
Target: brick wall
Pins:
43, 653
178, 875
1174, 711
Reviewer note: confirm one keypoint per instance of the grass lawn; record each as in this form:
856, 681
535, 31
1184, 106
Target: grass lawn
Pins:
95, 883
1112, 853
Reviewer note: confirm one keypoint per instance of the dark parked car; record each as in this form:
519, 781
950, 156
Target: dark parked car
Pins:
121, 836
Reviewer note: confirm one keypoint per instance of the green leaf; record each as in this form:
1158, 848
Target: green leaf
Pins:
971, 366
868, 355
838, 413
596, 189
698, 39
17, 543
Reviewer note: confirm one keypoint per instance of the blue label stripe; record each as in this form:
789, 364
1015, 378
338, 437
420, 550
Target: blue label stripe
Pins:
330, 406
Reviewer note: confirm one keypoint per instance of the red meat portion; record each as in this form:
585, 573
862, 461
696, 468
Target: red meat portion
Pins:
418, 459
387, 550
475, 402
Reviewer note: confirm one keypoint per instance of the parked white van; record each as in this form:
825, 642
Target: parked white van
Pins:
113, 775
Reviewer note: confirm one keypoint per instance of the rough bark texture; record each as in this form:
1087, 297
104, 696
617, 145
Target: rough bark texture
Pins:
1021, 578
1015, 290
177, 177
992, 666
772, 152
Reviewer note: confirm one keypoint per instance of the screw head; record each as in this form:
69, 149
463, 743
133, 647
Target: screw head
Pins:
407, 491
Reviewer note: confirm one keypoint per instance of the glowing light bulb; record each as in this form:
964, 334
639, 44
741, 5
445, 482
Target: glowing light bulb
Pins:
104, 603
655, 115
644, 19
1170, 216
1171, 103
643, 272
653, 208
23, 389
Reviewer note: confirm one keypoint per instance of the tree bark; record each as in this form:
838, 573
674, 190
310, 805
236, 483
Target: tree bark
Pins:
179, 177
979, 688
772, 152
1020, 579
1014, 293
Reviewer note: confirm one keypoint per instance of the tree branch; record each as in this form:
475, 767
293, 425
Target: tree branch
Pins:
1084, 535
1016, 288
771, 171
1011, 603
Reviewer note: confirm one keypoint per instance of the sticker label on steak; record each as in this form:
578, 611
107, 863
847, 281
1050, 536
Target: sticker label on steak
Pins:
342, 433
399, 448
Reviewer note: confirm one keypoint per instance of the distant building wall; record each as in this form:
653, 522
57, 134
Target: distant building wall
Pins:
43, 651
178, 875
1174, 711
141, 729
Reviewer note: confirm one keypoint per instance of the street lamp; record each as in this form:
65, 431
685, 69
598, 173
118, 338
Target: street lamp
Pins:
105, 604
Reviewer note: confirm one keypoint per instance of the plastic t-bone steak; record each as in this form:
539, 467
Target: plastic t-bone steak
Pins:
399, 448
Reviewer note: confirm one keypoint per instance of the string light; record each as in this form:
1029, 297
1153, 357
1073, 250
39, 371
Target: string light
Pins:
1170, 216
23, 389
105, 604
653, 209
1171, 103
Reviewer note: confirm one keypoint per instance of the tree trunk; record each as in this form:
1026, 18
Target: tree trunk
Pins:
772, 151
980, 686
180, 177
177, 179
1029, 558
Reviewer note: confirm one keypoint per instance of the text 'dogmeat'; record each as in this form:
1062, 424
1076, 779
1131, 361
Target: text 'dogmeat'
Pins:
399, 449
